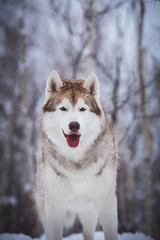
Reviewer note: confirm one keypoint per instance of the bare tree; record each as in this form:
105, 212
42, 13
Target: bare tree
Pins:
17, 204
148, 136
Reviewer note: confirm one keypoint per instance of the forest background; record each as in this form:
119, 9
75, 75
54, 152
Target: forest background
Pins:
118, 40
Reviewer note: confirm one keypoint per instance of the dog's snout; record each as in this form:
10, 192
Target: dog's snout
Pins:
74, 126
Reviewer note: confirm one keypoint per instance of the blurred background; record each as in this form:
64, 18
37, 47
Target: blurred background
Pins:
118, 40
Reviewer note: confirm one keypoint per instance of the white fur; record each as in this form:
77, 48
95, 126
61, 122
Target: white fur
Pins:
79, 191
82, 194
55, 123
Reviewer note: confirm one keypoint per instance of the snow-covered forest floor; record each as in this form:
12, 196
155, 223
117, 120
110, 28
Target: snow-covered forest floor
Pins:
98, 236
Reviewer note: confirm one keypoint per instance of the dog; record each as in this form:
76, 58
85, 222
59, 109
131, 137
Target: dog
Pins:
77, 159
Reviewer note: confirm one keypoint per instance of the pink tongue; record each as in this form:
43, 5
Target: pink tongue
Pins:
73, 140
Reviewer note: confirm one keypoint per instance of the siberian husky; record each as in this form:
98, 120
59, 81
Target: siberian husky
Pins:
77, 159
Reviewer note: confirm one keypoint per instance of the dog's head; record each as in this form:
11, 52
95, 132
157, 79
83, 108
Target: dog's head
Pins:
72, 115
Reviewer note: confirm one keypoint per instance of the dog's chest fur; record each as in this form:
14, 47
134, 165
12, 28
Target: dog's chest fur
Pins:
78, 182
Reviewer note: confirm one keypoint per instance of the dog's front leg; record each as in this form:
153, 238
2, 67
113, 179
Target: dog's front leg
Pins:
54, 221
107, 210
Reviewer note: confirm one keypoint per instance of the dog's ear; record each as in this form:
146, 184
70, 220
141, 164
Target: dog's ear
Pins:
53, 83
92, 85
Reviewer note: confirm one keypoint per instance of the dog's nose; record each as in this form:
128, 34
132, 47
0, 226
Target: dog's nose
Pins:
74, 126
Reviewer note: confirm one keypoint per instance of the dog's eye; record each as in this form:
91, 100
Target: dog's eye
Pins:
83, 109
63, 109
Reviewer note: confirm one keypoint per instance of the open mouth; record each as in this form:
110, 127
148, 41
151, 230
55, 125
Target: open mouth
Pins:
72, 139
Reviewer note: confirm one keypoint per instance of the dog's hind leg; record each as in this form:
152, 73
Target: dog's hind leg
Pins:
89, 220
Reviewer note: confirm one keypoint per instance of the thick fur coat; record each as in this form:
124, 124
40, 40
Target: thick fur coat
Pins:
77, 159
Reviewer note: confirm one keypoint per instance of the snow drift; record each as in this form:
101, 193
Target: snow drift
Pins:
98, 236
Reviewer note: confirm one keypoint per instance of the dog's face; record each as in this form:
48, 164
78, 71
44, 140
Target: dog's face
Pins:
72, 114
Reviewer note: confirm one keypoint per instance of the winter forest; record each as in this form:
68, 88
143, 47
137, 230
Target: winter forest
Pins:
118, 40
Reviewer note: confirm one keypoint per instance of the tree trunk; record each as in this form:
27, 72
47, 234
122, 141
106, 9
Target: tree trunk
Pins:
25, 107
148, 137
89, 62
28, 200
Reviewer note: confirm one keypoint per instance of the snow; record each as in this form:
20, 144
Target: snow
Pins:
98, 236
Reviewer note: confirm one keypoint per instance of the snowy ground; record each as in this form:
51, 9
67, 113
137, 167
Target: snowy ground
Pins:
98, 236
